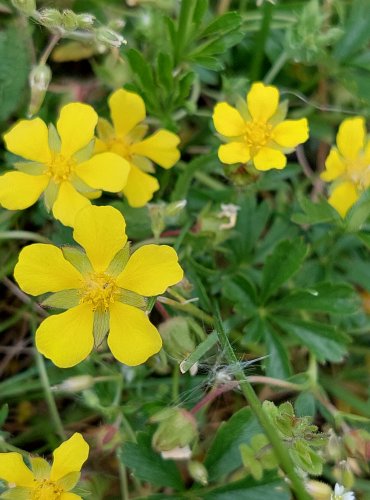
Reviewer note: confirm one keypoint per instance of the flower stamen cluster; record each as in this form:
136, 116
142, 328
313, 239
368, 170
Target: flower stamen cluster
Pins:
99, 290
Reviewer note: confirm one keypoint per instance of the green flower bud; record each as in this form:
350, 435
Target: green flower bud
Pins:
39, 79
198, 472
69, 20
109, 37
318, 490
177, 338
177, 428
85, 21
50, 18
157, 213
27, 7
76, 384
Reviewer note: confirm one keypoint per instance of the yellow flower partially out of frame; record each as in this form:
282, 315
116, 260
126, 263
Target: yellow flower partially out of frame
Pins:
257, 131
61, 164
348, 165
102, 289
45, 481
126, 138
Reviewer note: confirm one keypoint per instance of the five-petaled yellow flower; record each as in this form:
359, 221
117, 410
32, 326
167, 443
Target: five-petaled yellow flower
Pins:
45, 482
126, 138
103, 289
348, 165
256, 131
62, 164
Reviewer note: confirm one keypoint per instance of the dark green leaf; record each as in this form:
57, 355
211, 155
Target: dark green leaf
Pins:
356, 32
223, 24
277, 362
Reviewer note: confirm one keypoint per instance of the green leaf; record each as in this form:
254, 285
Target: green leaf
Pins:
270, 486
337, 298
277, 362
14, 68
305, 405
222, 25
356, 31
325, 341
315, 213
284, 262
223, 456
164, 71
4, 413
148, 465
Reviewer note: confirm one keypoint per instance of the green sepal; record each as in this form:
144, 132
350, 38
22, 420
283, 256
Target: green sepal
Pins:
40, 467
119, 261
101, 327
17, 493
280, 113
69, 481
65, 299
55, 143
132, 299
78, 259
50, 195
85, 153
30, 167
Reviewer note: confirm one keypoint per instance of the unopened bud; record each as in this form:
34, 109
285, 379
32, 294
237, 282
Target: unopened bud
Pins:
334, 446
177, 428
27, 7
39, 79
177, 453
109, 37
76, 384
69, 20
85, 21
344, 474
318, 490
50, 18
198, 472
175, 208
177, 338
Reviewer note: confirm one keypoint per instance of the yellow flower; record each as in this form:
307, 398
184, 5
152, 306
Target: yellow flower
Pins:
45, 482
126, 138
256, 132
103, 289
61, 164
348, 165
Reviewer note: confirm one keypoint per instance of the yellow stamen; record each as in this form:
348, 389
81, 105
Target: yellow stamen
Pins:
358, 172
100, 290
46, 490
60, 168
257, 135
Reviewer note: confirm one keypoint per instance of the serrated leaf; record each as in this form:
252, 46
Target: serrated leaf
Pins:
14, 68
282, 264
148, 465
325, 341
223, 456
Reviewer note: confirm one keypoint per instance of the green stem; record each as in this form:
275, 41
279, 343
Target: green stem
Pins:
276, 67
184, 25
280, 450
123, 479
189, 308
261, 42
23, 235
50, 401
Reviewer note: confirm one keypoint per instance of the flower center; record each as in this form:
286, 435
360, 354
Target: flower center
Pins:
257, 135
46, 490
60, 168
358, 172
99, 290
120, 146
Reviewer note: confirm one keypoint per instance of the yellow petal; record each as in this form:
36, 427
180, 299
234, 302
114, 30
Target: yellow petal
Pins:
106, 171
132, 338
290, 133
351, 137
101, 232
227, 120
343, 197
67, 338
42, 268
160, 147
268, 158
127, 109
68, 203
19, 190
263, 101
140, 187
29, 139
234, 152
335, 166
70, 496
100, 146
69, 457
14, 470
76, 127
150, 270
